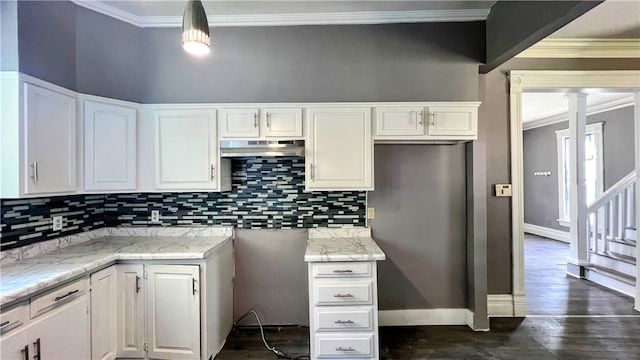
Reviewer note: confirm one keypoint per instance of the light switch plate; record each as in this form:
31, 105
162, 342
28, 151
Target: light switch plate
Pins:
503, 189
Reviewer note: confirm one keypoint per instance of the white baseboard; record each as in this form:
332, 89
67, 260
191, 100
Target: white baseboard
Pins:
547, 232
500, 305
419, 317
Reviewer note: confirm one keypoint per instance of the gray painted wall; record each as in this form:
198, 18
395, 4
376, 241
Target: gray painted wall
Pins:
540, 154
108, 57
420, 223
47, 41
493, 130
406, 62
271, 276
513, 26
8, 35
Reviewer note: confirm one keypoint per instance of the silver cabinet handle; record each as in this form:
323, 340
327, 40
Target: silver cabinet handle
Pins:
255, 120
194, 284
346, 271
347, 295
5, 323
343, 322
34, 176
137, 284
313, 172
433, 119
420, 117
213, 172
349, 349
37, 349
66, 295
268, 120
25, 352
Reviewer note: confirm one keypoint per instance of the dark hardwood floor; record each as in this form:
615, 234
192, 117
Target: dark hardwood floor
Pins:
569, 319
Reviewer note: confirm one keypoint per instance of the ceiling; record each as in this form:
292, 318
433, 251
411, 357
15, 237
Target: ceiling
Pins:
613, 19
554, 106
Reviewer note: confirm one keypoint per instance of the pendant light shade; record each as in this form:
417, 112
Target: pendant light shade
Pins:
195, 29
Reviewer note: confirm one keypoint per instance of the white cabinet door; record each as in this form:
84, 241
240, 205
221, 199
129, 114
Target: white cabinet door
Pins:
50, 158
15, 345
130, 311
62, 333
173, 320
282, 122
186, 150
239, 123
399, 121
109, 147
103, 314
460, 121
339, 149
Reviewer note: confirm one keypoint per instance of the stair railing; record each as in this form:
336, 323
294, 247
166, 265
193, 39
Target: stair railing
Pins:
612, 213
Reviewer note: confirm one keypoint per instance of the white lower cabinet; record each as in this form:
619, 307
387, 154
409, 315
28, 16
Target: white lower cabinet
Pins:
54, 325
343, 308
130, 307
103, 310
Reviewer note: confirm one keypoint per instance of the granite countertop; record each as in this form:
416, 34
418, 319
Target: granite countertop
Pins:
24, 277
348, 244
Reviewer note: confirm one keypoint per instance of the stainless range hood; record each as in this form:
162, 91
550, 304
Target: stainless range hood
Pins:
245, 148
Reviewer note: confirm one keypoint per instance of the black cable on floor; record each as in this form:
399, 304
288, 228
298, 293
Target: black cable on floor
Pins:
280, 354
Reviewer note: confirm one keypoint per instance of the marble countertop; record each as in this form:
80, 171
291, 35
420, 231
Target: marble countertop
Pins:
27, 276
349, 244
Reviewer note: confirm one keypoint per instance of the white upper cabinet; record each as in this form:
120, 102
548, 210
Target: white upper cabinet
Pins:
453, 121
239, 123
260, 123
339, 149
50, 141
282, 122
399, 120
109, 147
443, 122
186, 151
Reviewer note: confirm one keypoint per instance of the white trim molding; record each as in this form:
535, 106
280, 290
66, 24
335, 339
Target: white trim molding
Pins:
421, 317
536, 80
611, 105
583, 48
500, 305
332, 18
547, 232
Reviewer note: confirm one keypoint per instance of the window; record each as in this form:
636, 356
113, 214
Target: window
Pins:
593, 168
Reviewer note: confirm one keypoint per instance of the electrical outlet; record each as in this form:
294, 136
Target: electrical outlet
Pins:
371, 213
57, 222
155, 216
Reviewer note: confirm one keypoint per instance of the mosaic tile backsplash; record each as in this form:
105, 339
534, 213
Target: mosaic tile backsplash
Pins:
267, 193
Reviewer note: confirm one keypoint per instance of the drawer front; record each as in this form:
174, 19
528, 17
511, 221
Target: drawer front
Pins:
14, 318
343, 293
54, 298
342, 269
345, 346
340, 319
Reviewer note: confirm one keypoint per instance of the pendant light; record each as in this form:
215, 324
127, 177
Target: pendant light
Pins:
195, 29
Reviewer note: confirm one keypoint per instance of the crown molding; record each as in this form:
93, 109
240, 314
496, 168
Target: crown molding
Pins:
335, 18
583, 48
610, 105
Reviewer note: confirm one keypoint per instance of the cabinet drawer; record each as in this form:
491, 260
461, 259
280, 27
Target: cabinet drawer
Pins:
14, 318
342, 269
347, 293
345, 346
62, 295
341, 319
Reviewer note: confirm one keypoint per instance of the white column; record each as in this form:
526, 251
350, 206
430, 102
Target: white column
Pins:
636, 116
578, 237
